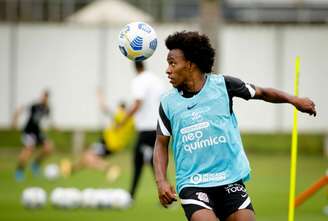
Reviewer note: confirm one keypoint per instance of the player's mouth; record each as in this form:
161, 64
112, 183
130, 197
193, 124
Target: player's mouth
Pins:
171, 80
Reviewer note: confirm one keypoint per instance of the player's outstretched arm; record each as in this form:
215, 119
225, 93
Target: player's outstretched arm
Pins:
166, 192
272, 95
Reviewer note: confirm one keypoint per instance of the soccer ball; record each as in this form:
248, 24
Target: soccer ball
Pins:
34, 197
66, 198
51, 171
103, 198
137, 41
89, 198
106, 198
121, 199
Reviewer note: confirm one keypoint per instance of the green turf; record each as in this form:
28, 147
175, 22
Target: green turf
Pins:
268, 189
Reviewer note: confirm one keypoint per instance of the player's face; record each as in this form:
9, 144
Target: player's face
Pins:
178, 69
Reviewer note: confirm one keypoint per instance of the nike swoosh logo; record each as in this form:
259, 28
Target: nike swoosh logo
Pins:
192, 106
244, 195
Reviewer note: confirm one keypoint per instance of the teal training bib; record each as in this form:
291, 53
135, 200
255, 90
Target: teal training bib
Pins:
206, 141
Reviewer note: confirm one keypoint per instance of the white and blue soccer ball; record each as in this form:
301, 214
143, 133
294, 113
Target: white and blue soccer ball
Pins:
137, 41
34, 197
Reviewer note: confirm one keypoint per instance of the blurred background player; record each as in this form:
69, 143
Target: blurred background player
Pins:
112, 140
33, 136
146, 92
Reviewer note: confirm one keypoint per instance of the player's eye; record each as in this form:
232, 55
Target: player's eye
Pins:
170, 63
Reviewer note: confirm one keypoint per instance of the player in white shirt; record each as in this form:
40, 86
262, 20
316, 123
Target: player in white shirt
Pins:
146, 92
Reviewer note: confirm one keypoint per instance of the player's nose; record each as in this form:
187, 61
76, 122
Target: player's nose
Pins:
168, 71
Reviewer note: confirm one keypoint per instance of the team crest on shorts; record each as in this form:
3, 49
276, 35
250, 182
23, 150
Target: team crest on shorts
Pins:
202, 196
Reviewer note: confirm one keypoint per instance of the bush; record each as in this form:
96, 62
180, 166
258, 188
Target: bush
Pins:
253, 142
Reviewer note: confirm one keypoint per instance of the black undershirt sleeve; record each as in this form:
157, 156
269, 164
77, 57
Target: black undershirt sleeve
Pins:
163, 123
238, 88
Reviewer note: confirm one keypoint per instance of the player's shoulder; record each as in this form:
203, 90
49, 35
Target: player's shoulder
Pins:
216, 78
233, 81
168, 95
230, 77
36, 105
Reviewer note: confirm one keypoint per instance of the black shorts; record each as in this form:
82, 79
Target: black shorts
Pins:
100, 148
223, 200
33, 138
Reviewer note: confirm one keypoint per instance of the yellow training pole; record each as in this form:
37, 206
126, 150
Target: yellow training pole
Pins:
293, 157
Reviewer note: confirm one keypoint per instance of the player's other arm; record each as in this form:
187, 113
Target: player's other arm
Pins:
134, 108
272, 95
139, 93
52, 124
166, 192
102, 104
16, 115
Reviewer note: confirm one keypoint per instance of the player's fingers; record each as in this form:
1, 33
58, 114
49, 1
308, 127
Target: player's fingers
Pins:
165, 202
170, 197
314, 110
164, 198
173, 196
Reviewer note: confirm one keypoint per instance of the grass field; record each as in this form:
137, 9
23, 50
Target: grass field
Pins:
268, 189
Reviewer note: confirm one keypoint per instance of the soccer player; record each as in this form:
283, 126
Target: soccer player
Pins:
146, 92
112, 140
33, 136
211, 165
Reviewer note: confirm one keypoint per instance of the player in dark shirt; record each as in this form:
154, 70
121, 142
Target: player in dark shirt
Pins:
33, 136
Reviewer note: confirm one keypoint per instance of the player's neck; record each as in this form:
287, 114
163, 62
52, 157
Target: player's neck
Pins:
195, 83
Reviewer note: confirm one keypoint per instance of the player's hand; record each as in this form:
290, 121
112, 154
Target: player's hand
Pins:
166, 193
306, 105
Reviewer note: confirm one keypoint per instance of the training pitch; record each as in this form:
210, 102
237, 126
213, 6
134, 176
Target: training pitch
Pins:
268, 189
